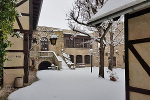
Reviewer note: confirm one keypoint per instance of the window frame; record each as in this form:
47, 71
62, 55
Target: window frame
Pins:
87, 60
44, 44
78, 59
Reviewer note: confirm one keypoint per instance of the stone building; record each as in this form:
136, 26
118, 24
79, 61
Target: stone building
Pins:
118, 43
76, 46
43, 52
119, 56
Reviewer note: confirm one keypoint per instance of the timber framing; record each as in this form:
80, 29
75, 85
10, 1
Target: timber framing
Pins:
129, 46
20, 3
126, 57
139, 90
15, 50
18, 67
34, 12
19, 23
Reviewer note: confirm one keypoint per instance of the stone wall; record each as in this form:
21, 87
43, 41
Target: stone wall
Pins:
75, 51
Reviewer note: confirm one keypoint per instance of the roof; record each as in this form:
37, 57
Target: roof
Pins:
37, 4
115, 8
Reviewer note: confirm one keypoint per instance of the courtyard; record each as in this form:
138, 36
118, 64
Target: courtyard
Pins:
78, 84
105, 34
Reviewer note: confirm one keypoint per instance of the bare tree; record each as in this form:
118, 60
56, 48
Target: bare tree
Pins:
116, 38
82, 11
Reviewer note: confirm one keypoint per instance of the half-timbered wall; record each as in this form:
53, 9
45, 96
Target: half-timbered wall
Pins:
18, 53
137, 31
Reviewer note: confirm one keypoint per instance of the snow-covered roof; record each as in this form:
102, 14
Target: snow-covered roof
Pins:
67, 33
79, 34
115, 8
54, 36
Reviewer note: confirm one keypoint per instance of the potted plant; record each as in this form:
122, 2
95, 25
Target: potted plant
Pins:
53, 67
113, 75
32, 68
73, 67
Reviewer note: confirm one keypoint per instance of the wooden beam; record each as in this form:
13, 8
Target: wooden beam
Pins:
139, 90
126, 57
18, 67
20, 3
25, 14
140, 59
26, 57
19, 23
139, 41
15, 50
24, 31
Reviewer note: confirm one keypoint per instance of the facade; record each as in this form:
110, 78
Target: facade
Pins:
76, 46
66, 43
119, 49
119, 56
18, 53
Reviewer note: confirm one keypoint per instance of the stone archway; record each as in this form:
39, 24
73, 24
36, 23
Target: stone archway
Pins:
44, 65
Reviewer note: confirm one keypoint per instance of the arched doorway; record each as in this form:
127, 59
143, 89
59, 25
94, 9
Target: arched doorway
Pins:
44, 65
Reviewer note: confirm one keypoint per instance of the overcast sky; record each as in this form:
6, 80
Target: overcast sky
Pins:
53, 13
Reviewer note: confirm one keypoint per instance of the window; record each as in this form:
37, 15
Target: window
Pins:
72, 58
69, 42
124, 59
114, 61
44, 44
87, 59
78, 43
106, 54
33, 62
78, 59
87, 44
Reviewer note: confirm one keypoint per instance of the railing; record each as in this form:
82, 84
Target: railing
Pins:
41, 54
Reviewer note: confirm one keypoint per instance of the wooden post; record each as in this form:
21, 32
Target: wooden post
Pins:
26, 57
91, 62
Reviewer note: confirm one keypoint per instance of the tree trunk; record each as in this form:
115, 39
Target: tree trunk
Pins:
101, 66
110, 59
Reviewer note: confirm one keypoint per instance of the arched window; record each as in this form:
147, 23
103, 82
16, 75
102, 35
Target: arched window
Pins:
72, 58
78, 59
44, 44
87, 59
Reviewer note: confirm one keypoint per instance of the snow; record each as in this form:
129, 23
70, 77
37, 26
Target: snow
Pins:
64, 65
54, 36
67, 58
50, 56
78, 84
113, 6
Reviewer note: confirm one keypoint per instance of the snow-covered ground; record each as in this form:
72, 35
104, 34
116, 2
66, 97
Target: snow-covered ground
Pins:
79, 84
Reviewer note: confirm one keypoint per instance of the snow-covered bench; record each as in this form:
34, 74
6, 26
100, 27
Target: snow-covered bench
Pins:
79, 65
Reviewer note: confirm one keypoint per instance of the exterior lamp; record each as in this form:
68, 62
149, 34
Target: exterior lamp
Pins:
117, 52
34, 40
53, 39
91, 52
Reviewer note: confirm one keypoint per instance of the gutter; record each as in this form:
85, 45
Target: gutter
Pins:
131, 9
